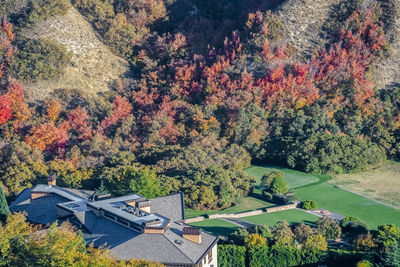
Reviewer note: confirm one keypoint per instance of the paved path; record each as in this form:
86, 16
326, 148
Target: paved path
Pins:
233, 221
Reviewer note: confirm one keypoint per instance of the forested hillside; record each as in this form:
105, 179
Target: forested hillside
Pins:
212, 85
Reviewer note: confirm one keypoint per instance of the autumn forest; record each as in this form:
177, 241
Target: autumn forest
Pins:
209, 91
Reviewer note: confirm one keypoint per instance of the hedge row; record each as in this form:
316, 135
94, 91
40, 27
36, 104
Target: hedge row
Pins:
263, 256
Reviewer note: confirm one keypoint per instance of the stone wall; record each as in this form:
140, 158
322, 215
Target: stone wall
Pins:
236, 215
195, 219
281, 208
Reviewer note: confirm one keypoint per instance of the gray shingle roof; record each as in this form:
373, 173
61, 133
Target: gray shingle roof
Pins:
125, 243
41, 210
171, 206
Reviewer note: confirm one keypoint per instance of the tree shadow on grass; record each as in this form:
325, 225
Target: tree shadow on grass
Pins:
219, 230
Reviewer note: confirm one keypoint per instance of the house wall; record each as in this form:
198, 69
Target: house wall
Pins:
61, 213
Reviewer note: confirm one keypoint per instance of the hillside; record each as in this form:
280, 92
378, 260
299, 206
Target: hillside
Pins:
304, 22
93, 66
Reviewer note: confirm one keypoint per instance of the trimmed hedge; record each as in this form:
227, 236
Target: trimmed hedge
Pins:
278, 256
258, 256
231, 255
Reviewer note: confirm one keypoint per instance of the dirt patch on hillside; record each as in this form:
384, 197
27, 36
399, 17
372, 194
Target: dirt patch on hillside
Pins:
93, 66
303, 22
382, 184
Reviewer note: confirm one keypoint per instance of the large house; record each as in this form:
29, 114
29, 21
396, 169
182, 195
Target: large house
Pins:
131, 226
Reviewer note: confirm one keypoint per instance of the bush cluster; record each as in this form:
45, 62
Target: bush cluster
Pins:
41, 59
43, 9
309, 205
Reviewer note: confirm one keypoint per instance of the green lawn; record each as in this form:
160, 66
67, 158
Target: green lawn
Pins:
343, 202
293, 177
216, 226
291, 216
240, 204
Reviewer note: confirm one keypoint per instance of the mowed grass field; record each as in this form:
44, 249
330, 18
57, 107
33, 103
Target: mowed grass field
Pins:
240, 204
330, 197
382, 183
293, 177
216, 226
291, 216
349, 204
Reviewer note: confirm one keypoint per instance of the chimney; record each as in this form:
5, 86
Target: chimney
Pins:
52, 180
192, 234
144, 205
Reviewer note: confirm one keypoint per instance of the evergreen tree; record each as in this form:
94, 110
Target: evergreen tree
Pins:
393, 256
4, 211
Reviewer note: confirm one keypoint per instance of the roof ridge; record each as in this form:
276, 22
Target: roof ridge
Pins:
178, 249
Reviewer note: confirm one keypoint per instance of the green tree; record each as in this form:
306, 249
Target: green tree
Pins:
392, 258
269, 176
302, 232
317, 242
279, 186
282, 234
4, 211
255, 240
124, 180
388, 234
328, 228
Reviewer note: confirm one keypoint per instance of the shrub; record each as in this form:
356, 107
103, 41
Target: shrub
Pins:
231, 255
283, 199
357, 227
255, 240
347, 219
309, 204
364, 263
40, 59
364, 242
267, 195
239, 236
344, 257
43, 9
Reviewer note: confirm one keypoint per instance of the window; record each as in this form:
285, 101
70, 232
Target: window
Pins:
110, 216
209, 255
124, 222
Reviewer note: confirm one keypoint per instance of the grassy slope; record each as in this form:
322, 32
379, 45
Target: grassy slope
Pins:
291, 216
216, 226
335, 199
347, 203
93, 66
293, 177
382, 183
